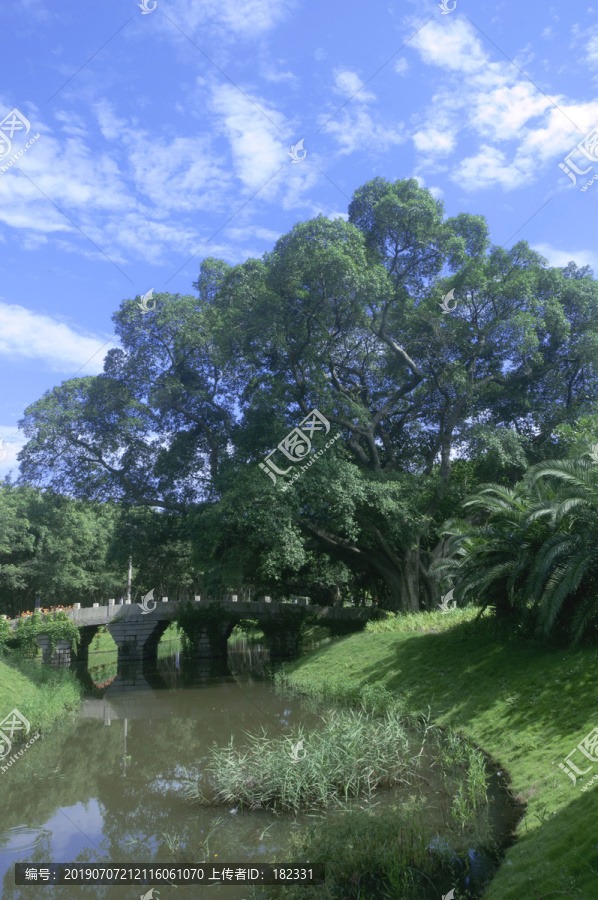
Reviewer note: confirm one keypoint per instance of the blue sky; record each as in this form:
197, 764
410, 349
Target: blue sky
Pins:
164, 138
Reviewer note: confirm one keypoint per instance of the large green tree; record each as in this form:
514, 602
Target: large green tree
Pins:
345, 317
55, 549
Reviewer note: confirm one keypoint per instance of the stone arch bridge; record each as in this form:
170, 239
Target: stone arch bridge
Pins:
137, 635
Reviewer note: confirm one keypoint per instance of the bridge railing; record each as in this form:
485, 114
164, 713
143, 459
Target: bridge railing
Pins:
97, 610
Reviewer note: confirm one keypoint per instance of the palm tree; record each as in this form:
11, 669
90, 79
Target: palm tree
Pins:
565, 577
491, 562
536, 553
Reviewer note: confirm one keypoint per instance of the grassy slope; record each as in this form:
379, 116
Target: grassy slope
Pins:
525, 705
41, 695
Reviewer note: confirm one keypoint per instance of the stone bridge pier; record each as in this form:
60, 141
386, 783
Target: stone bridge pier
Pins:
211, 642
62, 655
136, 638
81, 655
283, 643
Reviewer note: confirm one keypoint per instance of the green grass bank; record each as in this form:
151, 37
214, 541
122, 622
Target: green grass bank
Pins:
526, 705
40, 693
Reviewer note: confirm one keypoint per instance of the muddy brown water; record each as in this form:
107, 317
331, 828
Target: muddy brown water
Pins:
107, 785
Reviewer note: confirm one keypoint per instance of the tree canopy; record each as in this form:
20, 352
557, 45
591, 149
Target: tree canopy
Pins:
343, 317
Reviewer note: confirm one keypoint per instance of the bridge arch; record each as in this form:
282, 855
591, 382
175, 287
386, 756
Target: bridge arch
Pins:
137, 635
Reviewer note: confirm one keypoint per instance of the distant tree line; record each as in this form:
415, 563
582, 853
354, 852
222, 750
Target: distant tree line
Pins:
59, 551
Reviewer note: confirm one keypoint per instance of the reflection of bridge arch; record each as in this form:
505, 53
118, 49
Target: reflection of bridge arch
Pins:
137, 636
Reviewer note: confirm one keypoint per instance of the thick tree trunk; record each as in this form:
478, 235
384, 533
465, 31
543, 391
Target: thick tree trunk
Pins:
410, 580
401, 581
401, 570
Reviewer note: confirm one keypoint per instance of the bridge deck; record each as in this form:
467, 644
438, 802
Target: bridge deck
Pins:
252, 609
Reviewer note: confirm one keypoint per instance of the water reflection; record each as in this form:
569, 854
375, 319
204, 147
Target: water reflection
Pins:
108, 785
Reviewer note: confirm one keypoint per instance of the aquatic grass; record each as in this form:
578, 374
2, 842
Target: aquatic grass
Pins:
350, 756
452, 751
174, 843
477, 781
180, 851
463, 766
463, 769
381, 854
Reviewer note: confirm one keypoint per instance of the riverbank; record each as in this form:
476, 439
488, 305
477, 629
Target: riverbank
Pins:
41, 694
526, 705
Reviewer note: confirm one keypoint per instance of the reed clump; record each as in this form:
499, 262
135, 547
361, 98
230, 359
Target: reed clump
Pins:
372, 855
465, 777
350, 756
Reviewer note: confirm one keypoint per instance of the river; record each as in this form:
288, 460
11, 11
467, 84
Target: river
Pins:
107, 785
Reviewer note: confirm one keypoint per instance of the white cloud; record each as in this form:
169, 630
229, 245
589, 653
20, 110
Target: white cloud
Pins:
12, 440
119, 196
124, 194
452, 45
592, 49
241, 18
256, 144
354, 129
437, 138
488, 167
560, 258
259, 150
111, 126
348, 84
35, 336
257, 231
488, 100
437, 192
271, 74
